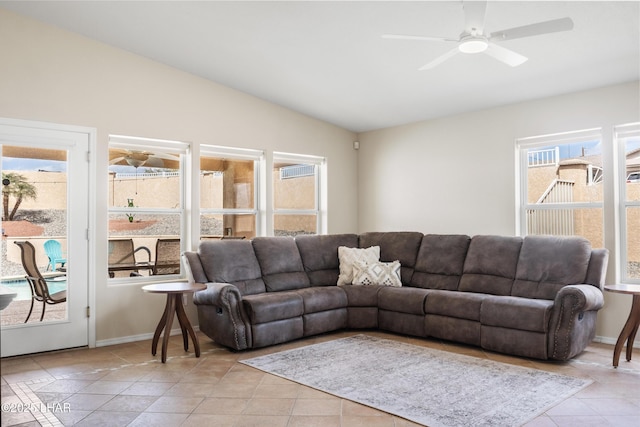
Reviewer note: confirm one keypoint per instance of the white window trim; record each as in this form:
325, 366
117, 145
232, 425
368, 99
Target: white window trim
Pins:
621, 133
320, 208
167, 146
522, 146
257, 156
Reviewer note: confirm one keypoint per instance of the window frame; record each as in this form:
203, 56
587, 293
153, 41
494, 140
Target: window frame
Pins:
183, 149
621, 133
523, 146
320, 164
230, 153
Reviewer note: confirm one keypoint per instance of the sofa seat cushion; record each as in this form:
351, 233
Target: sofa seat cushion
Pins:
402, 300
322, 298
525, 314
272, 306
362, 296
461, 305
490, 265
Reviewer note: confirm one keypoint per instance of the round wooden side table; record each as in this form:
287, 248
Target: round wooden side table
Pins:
174, 293
630, 328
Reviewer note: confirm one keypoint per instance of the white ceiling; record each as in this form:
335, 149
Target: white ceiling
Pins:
328, 60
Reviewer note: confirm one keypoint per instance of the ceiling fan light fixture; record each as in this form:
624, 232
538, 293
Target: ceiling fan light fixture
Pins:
136, 163
473, 45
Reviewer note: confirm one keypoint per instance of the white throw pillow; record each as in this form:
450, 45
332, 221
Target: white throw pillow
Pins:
348, 256
378, 273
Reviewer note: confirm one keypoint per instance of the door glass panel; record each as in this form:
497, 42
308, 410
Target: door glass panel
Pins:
34, 210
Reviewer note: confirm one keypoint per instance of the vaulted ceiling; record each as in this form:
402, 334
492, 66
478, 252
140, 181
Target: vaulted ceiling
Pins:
329, 61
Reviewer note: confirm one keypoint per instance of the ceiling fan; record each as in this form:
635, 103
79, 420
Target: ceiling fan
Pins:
137, 158
474, 40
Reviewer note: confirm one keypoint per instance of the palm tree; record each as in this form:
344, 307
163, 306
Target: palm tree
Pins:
17, 187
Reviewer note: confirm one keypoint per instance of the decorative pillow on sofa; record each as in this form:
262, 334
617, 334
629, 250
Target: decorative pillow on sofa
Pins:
377, 273
348, 256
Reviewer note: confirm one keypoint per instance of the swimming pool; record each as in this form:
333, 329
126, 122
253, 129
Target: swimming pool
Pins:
21, 287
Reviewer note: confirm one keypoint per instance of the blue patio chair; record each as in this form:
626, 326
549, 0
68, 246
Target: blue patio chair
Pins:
53, 248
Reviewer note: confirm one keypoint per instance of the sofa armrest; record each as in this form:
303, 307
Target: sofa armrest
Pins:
222, 317
573, 320
583, 297
218, 294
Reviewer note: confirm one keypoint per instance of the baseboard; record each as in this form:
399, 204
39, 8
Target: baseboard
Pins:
612, 341
134, 338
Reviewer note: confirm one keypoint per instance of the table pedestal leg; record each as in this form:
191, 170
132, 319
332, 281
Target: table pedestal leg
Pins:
628, 333
160, 327
171, 308
174, 306
186, 326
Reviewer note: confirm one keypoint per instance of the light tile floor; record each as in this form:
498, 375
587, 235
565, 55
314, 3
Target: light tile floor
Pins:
123, 385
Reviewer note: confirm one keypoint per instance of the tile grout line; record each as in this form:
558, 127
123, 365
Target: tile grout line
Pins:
35, 406
95, 371
41, 412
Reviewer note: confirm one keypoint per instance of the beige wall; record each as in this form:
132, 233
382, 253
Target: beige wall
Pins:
458, 173
55, 76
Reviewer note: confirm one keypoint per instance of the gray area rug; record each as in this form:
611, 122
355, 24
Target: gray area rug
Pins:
427, 386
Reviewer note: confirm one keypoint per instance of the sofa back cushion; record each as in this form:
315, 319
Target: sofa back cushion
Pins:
440, 261
319, 254
232, 261
547, 263
400, 246
490, 265
280, 263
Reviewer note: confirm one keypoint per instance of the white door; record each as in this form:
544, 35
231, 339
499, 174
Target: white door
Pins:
52, 163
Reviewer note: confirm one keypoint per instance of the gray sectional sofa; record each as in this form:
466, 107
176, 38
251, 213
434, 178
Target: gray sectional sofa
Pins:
536, 296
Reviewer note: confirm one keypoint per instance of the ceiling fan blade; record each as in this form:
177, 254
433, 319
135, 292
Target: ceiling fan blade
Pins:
474, 13
116, 160
154, 162
439, 60
422, 38
505, 55
546, 27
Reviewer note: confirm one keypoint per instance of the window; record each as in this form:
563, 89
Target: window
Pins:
560, 189
229, 188
628, 139
146, 206
296, 194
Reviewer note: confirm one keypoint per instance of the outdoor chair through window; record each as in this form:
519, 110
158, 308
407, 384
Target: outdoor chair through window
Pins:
38, 284
53, 248
122, 258
167, 257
